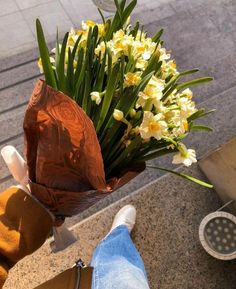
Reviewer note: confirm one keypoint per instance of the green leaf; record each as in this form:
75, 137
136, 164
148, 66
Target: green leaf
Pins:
169, 92
118, 8
124, 155
111, 87
76, 46
100, 77
170, 83
143, 83
128, 11
158, 35
79, 64
108, 28
156, 154
86, 102
201, 127
61, 67
196, 114
151, 65
189, 178
109, 65
102, 16
115, 25
194, 82
70, 74
44, 54
80, 81
57, 56
187, 72
135, 30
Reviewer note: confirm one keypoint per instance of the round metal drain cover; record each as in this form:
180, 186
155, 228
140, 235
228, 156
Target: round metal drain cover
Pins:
217, 233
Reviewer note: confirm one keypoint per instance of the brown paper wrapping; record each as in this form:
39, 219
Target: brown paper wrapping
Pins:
63, 154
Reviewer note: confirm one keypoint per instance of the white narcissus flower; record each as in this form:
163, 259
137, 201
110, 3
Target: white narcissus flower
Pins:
118, 114
132, 79
168, 68
182, 127
141, 63
152, 126
187, 107
152, 93
185, 156
100, 48
87, 24
95, 96
187, 93
163, 54
146, 55
118, 35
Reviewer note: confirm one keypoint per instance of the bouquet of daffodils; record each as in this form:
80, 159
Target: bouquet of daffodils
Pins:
129, 87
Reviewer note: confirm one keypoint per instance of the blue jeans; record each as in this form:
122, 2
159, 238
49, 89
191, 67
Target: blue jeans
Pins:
117, 263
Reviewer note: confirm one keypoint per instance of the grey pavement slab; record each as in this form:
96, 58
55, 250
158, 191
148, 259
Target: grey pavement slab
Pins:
25, 4
7, 7
188, 5
153, 10
14, 33
11, 123
18, 74
51, 15
17, 95
80, 10
222, 14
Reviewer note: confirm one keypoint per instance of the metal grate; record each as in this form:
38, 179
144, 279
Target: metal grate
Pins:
217, 233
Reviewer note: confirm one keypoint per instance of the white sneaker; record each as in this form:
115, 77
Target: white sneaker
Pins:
126, 216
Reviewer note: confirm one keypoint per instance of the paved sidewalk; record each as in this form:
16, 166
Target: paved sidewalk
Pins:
17, 18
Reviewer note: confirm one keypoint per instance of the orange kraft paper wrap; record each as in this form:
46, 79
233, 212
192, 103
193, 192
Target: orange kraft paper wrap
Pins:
63, 154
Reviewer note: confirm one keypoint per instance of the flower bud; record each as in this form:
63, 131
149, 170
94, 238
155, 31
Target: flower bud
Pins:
95, 96
118, 114
132, 113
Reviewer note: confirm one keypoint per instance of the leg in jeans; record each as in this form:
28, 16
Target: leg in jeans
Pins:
117, 263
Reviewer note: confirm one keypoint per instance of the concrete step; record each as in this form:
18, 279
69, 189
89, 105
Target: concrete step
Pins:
166, 234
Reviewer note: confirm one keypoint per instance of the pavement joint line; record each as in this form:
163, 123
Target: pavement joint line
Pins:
18, 65
20, 82
14, 107
5, 141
